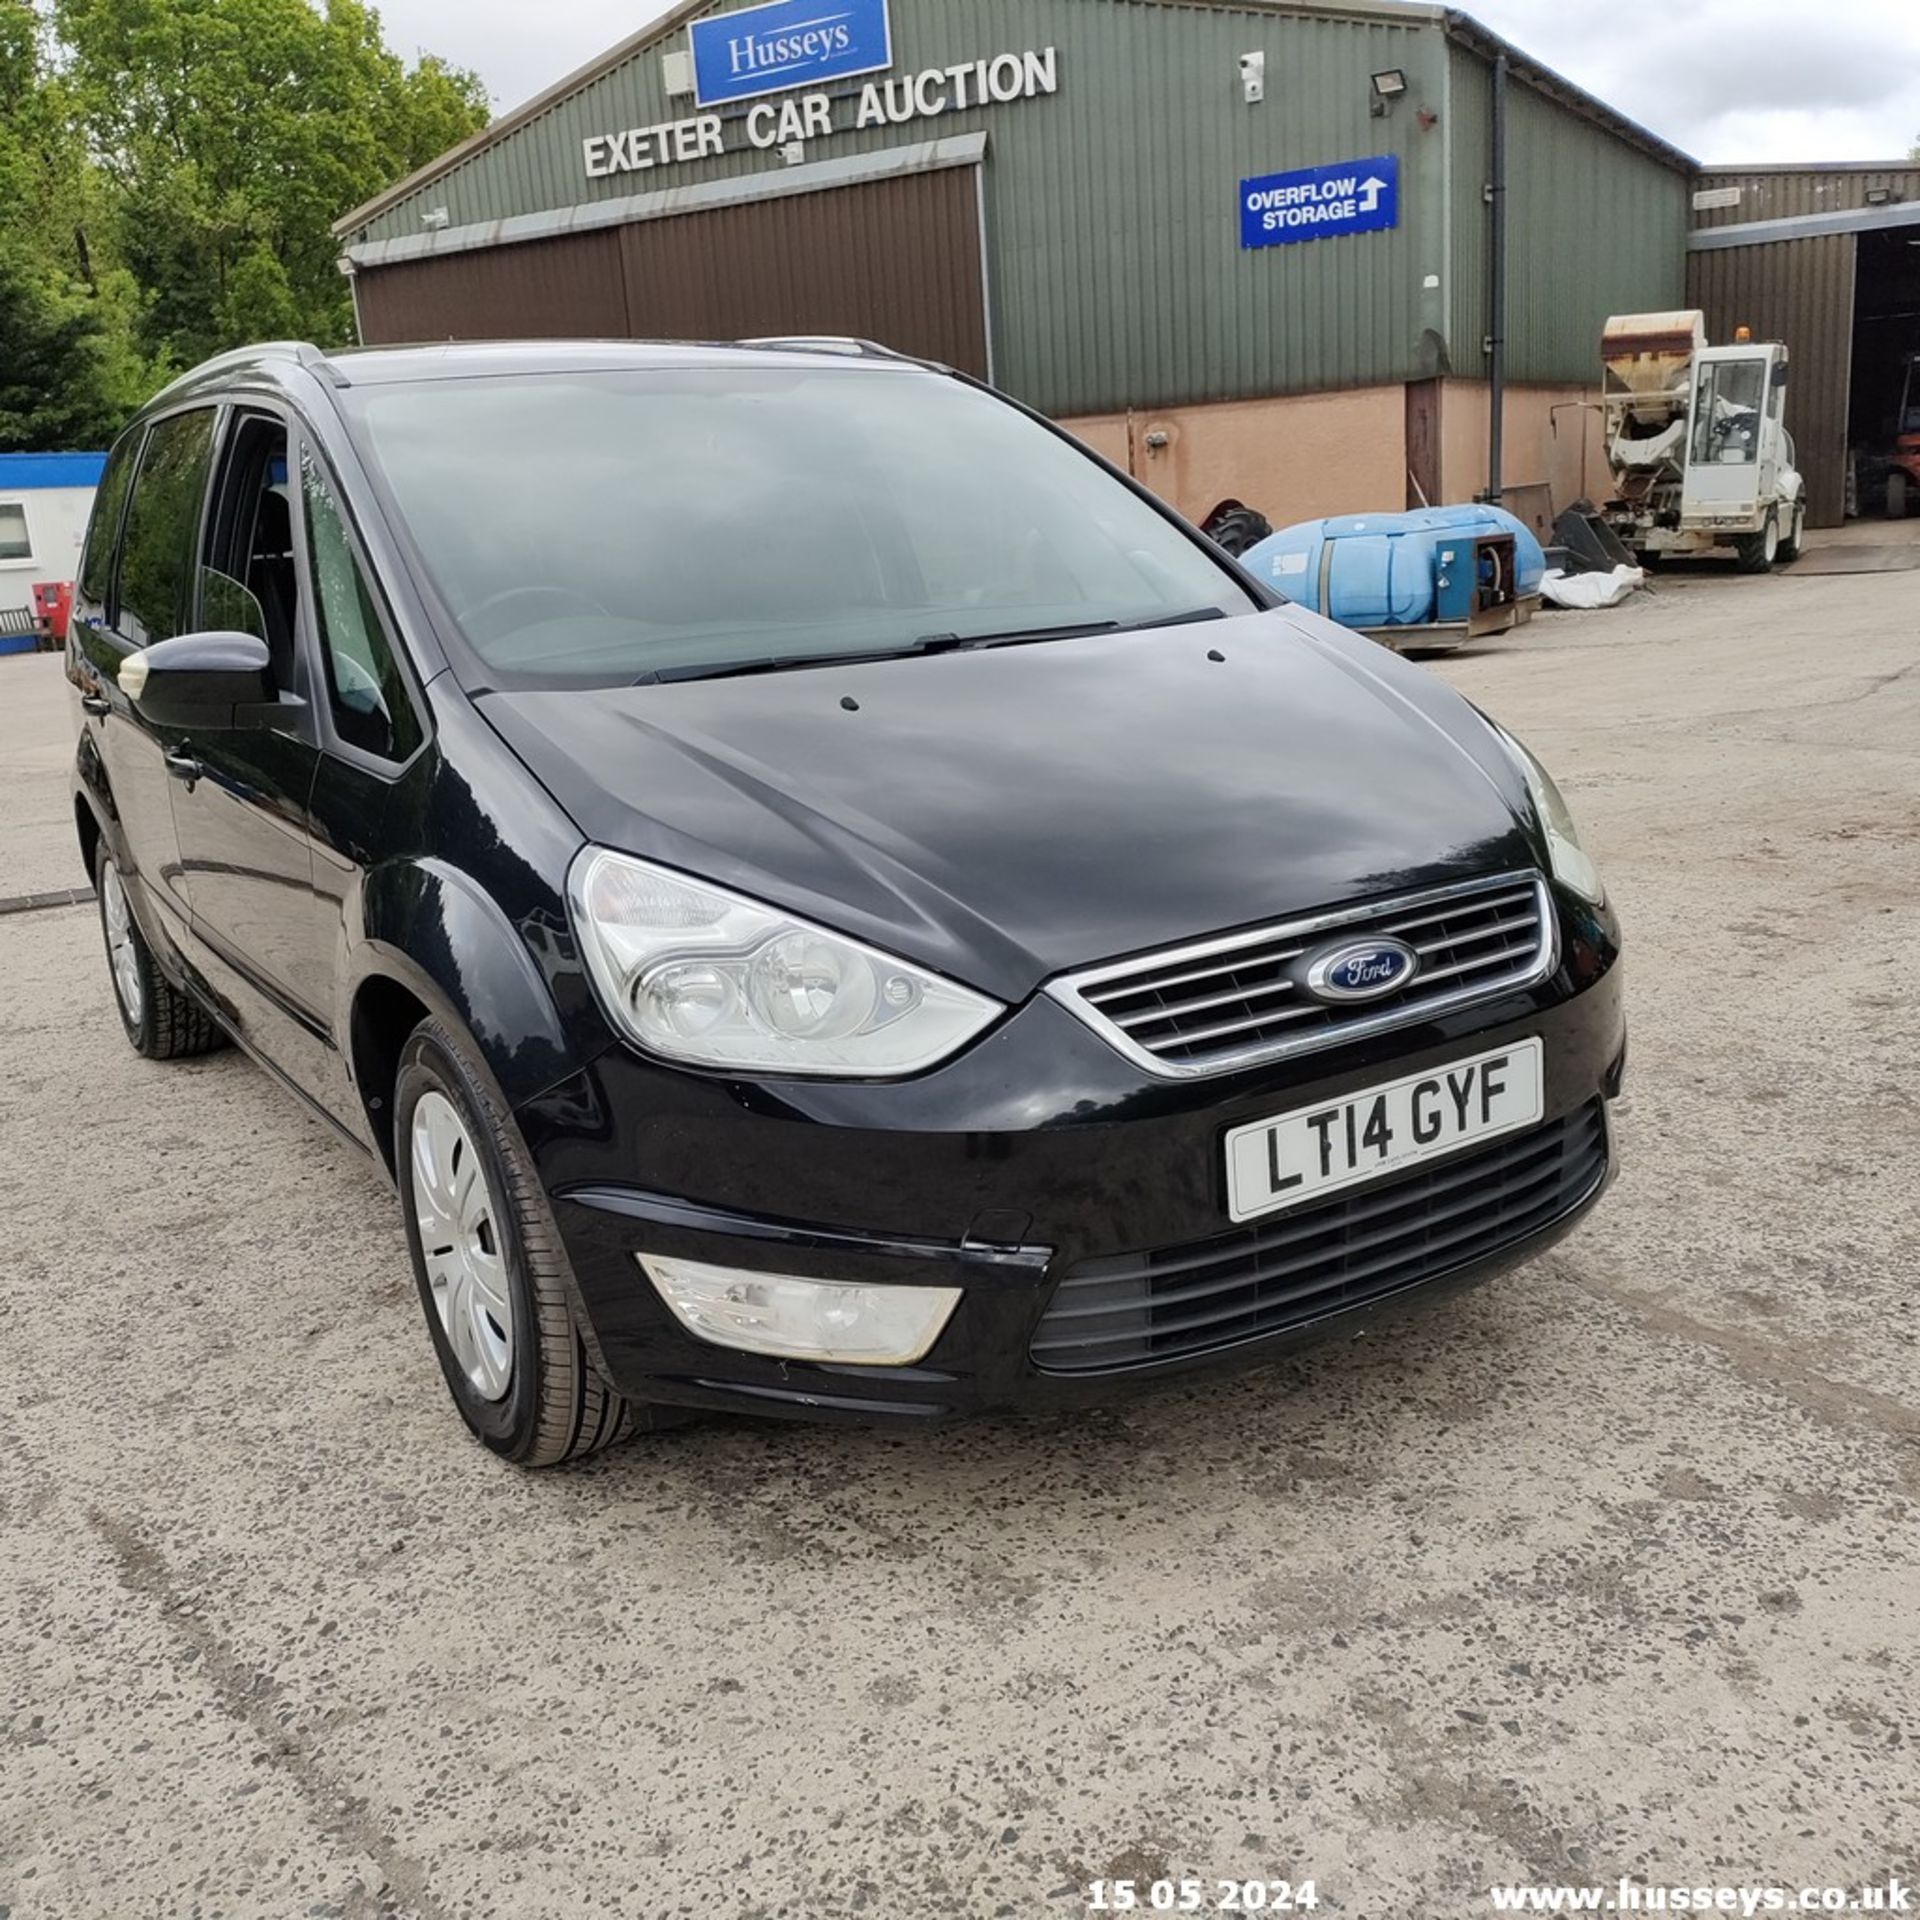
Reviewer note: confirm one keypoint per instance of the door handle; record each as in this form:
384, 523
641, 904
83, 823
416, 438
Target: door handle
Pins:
96, 704
183, 766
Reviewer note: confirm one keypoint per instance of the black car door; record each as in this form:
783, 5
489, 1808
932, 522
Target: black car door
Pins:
376, 758
136, 591
240, 797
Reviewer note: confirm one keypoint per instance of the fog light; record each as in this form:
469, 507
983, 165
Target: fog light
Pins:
795, 1319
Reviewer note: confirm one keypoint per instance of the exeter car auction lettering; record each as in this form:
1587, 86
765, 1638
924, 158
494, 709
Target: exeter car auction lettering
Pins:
993, 80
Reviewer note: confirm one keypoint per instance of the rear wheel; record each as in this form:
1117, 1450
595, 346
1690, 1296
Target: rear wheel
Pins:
492, 1273
161, 1022
1896, 495
1758, 551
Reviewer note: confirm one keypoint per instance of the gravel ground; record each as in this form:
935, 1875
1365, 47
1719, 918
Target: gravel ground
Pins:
1608, 1568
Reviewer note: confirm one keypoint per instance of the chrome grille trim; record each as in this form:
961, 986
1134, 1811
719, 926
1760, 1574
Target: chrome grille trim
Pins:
1137, 1007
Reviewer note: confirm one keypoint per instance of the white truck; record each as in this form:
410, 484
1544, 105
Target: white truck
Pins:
1700, 456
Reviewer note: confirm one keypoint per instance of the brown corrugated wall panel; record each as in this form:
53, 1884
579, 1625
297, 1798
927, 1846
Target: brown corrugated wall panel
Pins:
544, 289
895, 261
1799, 291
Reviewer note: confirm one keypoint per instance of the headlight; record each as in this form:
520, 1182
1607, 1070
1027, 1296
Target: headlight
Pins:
703, 975
1572, 865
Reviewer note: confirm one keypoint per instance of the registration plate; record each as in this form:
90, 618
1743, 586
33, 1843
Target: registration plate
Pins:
1314, 1151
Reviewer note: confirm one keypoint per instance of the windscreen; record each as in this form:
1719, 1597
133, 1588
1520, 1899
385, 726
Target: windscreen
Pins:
603, 528
1726, 412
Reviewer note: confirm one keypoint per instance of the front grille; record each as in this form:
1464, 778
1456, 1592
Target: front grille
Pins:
1107, 1315
1242, 999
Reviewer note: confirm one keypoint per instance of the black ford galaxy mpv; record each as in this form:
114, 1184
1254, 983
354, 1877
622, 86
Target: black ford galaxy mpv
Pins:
829, 900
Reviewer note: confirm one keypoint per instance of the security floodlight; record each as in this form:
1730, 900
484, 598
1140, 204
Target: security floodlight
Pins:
1390, 84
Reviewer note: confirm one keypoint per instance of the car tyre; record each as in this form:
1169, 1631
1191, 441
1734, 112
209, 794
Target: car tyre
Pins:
1790, 546
161, 1022
491, 1269
1236, 526
1758, 551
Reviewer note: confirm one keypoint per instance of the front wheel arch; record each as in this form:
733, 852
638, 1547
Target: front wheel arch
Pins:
432, 944
88, 829
382, 1019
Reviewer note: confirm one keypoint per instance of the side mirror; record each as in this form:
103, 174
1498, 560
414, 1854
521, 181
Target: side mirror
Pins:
208, 682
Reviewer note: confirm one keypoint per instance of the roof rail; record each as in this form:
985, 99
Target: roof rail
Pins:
830, 343
302, 352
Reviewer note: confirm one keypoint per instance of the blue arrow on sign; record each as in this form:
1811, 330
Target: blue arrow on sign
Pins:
1320, 203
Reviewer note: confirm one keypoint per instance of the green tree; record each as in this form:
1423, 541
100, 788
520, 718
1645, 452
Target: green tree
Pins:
229, 135
53, 362
71, 366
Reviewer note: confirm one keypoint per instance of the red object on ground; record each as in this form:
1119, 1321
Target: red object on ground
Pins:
53, 602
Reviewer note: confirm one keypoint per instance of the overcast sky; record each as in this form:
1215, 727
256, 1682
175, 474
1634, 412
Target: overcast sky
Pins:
1727, 80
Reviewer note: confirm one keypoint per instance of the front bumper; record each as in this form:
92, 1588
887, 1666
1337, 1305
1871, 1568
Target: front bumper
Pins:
1038, 1153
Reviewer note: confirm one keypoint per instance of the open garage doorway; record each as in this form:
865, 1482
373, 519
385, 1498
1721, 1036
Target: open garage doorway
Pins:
1883, 415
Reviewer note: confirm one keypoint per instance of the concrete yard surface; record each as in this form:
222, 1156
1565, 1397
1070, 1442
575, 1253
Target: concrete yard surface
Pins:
1611, 1567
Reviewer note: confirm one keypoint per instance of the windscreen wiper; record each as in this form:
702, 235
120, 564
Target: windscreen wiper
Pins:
1020, 636
925, 643
788, 662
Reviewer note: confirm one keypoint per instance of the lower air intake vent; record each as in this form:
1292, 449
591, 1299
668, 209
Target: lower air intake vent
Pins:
1108, 1315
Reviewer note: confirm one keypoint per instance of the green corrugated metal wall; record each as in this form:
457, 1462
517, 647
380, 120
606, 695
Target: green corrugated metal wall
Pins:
1594, 227
1115, 272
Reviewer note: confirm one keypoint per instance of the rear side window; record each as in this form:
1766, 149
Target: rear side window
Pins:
163, 523
365, 687
103, 529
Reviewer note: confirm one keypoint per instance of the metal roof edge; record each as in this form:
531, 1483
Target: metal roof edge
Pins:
1804, 226
925, 156
1465, 31
1732, 169
515, 118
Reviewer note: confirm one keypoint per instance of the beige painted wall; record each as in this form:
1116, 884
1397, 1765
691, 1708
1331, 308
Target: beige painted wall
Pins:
1105, 433
1302, 456
1294, 458
1565, 449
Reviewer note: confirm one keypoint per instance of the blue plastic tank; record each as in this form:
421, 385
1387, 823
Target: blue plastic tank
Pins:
1391, 569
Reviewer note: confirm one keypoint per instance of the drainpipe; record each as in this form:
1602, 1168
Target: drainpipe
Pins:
1497, 283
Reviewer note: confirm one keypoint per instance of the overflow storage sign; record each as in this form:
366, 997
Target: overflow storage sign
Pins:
1318, 203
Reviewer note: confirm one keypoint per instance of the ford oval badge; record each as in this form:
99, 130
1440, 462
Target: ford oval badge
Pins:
1362, 970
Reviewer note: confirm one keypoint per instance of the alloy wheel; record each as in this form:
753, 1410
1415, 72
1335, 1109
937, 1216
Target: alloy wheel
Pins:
123, 955
461, 1243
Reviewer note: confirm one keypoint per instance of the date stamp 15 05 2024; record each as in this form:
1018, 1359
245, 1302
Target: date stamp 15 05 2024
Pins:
1201, 1894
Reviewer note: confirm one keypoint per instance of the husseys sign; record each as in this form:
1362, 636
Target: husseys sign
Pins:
788, 45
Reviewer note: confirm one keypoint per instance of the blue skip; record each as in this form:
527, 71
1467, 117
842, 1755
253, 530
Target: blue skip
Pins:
1437, 577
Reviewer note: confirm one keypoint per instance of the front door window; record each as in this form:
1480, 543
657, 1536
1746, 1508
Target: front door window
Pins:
1726, 412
